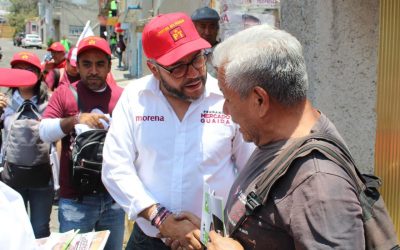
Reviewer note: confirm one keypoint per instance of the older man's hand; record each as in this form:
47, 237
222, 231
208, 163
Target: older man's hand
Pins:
218, 242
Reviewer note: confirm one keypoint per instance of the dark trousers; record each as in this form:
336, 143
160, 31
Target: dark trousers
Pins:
39, 201
140, 241
119, 54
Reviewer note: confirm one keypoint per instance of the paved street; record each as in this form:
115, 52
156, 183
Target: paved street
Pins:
9, 50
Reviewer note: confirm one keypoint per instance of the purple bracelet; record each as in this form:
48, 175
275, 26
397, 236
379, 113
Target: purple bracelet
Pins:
162, 214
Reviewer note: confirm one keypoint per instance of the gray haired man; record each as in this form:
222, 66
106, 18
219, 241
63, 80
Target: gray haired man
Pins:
262, 74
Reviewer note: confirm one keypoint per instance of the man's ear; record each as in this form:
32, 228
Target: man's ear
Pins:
153, 69
261, 100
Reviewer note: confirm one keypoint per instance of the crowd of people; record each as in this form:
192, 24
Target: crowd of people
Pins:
214, 112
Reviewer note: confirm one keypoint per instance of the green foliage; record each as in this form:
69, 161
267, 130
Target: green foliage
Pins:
21, 10
50, 41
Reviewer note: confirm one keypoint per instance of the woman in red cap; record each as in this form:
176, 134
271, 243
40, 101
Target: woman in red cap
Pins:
40, 199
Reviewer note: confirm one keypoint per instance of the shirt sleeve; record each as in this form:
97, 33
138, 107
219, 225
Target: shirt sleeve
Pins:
50, 127
50, 130
56, 106
325, 212
119, 173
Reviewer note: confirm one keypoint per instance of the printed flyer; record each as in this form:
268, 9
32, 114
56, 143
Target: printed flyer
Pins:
212, 214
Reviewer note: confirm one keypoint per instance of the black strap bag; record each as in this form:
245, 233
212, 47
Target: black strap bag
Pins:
378, 226
87, 158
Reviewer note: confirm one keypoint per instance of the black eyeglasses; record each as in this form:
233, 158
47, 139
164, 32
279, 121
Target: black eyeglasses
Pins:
180, 70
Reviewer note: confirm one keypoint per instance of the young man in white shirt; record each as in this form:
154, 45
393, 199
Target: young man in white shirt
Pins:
84, 102
169, 136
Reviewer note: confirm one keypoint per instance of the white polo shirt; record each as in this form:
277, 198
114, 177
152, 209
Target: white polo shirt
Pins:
150, 156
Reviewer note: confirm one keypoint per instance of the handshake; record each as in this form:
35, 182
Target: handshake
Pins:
182, 232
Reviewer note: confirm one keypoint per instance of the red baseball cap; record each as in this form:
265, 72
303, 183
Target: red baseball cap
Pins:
94, 42
71, 56
56, 47
26, 57
169, 37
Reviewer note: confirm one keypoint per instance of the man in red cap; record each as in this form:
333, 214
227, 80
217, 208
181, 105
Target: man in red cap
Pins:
97, 99
51, 68
169, 137
57, 51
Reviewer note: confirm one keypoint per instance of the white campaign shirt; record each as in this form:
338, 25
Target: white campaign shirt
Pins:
150, 156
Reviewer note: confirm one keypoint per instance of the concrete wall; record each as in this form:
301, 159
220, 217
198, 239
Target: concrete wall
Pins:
56, 16
340, 40
187, 6
78, 14
167, 6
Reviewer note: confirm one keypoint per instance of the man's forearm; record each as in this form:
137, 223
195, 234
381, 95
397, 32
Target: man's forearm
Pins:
146, 213
68, 123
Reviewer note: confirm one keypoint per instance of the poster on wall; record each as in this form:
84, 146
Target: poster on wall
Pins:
237, 15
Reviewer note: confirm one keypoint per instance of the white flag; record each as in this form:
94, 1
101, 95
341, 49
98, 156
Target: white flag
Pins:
87, 31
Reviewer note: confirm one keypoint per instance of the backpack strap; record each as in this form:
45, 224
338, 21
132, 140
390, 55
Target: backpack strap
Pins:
27, 104
275, 170
326, 144
75, 94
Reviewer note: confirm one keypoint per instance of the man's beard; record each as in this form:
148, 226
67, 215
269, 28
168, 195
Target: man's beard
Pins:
178, 93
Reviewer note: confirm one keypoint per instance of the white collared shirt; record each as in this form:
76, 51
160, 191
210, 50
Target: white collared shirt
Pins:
150, 156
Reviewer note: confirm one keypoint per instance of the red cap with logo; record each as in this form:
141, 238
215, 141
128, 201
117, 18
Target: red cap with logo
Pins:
56, 47
26, 57
94, 42
169, 37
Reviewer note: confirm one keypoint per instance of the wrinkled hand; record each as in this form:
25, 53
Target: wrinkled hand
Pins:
182, 233
218, 242
92, 120
3, 102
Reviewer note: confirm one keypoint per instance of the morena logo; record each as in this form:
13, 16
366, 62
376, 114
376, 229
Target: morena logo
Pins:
149, 118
